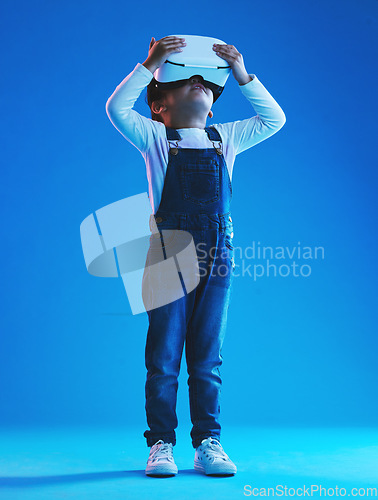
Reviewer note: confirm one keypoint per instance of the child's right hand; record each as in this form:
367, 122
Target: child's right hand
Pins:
159, 51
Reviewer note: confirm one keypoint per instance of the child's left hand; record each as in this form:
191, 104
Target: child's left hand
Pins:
235, 60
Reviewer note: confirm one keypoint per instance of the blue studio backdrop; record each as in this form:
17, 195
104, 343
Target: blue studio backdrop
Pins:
299, 350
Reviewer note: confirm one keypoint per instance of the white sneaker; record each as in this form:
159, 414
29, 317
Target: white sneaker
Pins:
161, 462
210, 458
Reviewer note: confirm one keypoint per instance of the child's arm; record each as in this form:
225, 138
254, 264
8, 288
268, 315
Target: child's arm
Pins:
137, 129
270, 117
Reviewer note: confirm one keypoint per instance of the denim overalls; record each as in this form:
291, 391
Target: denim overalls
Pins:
196, 198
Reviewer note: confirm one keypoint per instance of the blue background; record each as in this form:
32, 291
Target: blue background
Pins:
298, 351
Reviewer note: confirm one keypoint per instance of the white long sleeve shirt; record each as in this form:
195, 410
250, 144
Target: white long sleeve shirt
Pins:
149, 136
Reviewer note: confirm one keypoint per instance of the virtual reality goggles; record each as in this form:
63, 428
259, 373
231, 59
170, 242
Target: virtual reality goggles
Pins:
196, 58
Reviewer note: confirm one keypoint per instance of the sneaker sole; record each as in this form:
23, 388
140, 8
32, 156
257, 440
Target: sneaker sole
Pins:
162, 470
217, 470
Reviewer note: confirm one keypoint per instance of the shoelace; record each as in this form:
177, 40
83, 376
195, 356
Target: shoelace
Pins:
164, 451
213, 448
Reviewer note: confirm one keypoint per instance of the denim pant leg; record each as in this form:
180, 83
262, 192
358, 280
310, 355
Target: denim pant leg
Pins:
204, 340
163, 352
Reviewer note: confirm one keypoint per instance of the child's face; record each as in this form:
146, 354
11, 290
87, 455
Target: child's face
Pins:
188, 97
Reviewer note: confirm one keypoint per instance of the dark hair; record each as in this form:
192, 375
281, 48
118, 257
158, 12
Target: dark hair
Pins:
154, 94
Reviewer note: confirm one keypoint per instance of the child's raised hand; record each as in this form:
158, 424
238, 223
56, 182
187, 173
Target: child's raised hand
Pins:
235, 60
159, 50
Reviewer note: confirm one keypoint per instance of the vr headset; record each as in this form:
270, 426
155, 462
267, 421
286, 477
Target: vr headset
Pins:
196, 58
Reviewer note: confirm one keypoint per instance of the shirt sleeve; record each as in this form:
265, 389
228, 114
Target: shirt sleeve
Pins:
136, 128
270, 118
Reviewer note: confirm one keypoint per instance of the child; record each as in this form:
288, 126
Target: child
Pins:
190, 189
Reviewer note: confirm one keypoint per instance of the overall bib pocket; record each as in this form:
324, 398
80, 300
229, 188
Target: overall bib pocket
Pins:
200, 181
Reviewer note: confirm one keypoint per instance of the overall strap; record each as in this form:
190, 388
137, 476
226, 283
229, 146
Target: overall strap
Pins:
213, 134
172, 134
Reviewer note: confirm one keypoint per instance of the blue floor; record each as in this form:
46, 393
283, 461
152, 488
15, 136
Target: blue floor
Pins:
108, 463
